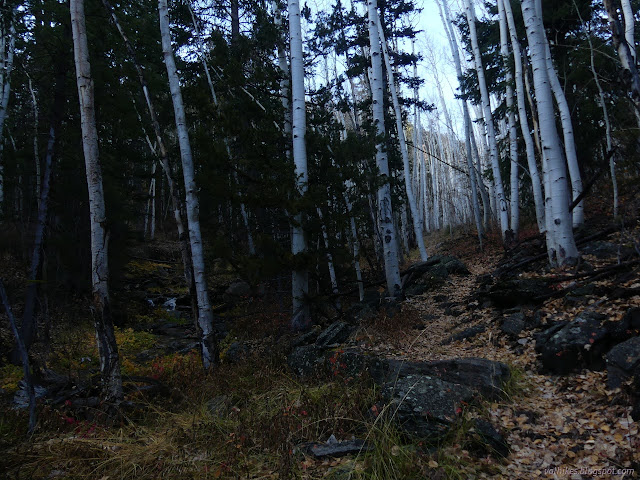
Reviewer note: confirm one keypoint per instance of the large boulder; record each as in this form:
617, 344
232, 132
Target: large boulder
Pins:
485, 377
623, 362
512, 292
426, 406
422, 276
576, 344
584, 341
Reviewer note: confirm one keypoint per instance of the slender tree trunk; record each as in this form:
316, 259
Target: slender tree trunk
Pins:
417, 220
625, 53
473, 177
562, 249
105, 335
385, 210
29, 330
5, 85
205, 315
501, 203
534, 173
332, 270
356, 248
607, 122
36, 149
300, 276
567, 131
511, 117
629, 27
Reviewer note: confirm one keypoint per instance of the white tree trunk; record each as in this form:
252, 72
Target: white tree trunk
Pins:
300, 278
567, 130
385, 210
513, 134
356, 248
205, 315
417, 221
561, 246
8, 43
473, 177
534, 173
629, 27
105, 336
501, 203
625, 54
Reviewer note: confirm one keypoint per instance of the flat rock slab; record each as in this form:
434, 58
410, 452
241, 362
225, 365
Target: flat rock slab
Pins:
426, 406
486, 377
337, 449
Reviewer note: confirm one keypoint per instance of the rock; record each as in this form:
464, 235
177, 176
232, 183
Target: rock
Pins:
602, 250
579, 343
237, 289
513, 325
465, 334
306, 360
516, 291
623, 362
334, 334
488, 439
236, 352
335, 448
422, 276
484, 376
426, 406
306, 338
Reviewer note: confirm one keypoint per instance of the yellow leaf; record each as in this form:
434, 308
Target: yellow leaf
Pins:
605, 428
395, 450
433, 464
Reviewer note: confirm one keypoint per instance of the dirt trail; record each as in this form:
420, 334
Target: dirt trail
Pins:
557, 426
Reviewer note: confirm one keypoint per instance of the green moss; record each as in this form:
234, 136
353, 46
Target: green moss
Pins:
10, 375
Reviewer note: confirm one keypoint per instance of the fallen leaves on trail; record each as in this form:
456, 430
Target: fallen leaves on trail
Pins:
569, 423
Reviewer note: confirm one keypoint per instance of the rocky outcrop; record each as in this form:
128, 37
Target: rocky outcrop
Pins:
423, 276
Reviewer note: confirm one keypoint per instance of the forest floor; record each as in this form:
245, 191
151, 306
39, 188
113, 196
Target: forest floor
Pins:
249, 418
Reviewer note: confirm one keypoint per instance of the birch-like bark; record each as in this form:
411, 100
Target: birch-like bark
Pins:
511, 118
5, 93
205, 315
534, 173
625, 54
417, 220
385, 210
300, 276
629, 27
567, 131
561, 246
36, 149
105, 335
501, 203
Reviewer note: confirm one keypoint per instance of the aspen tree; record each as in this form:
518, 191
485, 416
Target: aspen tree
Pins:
561, 245
385, 210
205, 315
105, 335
